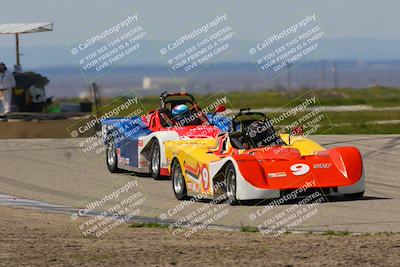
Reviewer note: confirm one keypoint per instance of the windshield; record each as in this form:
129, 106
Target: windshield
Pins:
253, 130
192, 117
242, 121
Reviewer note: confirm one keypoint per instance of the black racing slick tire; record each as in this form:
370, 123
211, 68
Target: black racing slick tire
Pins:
230, 183
111, 156
178, 181
155, 161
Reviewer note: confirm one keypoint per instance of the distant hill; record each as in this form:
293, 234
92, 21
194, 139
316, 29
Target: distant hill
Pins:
360, 63
69, 82
337, 49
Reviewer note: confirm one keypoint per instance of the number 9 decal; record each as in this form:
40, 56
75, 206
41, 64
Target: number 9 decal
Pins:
205, 178
299, 169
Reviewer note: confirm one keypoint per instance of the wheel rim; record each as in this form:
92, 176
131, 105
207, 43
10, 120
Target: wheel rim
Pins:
155, 160
230, 184
178, 181
111, 153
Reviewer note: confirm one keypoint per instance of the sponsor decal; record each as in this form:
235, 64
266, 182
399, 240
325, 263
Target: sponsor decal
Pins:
276, 174
123, 161
118, 152
322, 165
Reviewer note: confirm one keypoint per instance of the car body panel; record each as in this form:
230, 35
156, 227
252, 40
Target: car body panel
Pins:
265, 172
135, 136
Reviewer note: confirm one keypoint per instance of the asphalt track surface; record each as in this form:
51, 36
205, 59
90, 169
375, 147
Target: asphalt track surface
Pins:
58, 171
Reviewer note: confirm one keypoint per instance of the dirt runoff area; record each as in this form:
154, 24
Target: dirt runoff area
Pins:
34, 238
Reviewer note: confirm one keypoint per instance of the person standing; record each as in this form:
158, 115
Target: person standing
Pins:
7, 83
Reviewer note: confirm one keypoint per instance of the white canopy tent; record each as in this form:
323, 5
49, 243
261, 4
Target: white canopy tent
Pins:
20, 28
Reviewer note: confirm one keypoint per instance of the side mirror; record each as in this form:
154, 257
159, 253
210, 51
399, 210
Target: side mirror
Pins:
220, 108
298, 130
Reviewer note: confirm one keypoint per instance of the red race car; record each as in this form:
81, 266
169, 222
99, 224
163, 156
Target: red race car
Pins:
255, 162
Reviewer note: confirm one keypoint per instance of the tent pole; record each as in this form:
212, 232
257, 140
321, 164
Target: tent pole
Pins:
17, 49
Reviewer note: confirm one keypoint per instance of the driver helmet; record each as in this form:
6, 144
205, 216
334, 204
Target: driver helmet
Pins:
180, 111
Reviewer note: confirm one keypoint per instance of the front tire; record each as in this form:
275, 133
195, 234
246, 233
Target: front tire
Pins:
111, 157
178, 181
230, 183
155, 161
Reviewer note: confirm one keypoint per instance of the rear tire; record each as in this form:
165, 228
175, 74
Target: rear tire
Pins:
230, 183
178, 181
354, 196
155, 161
111, 157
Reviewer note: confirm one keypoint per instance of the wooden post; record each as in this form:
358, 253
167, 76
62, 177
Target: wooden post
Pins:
17, 49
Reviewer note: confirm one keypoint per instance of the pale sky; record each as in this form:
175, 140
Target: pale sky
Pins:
252, 19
